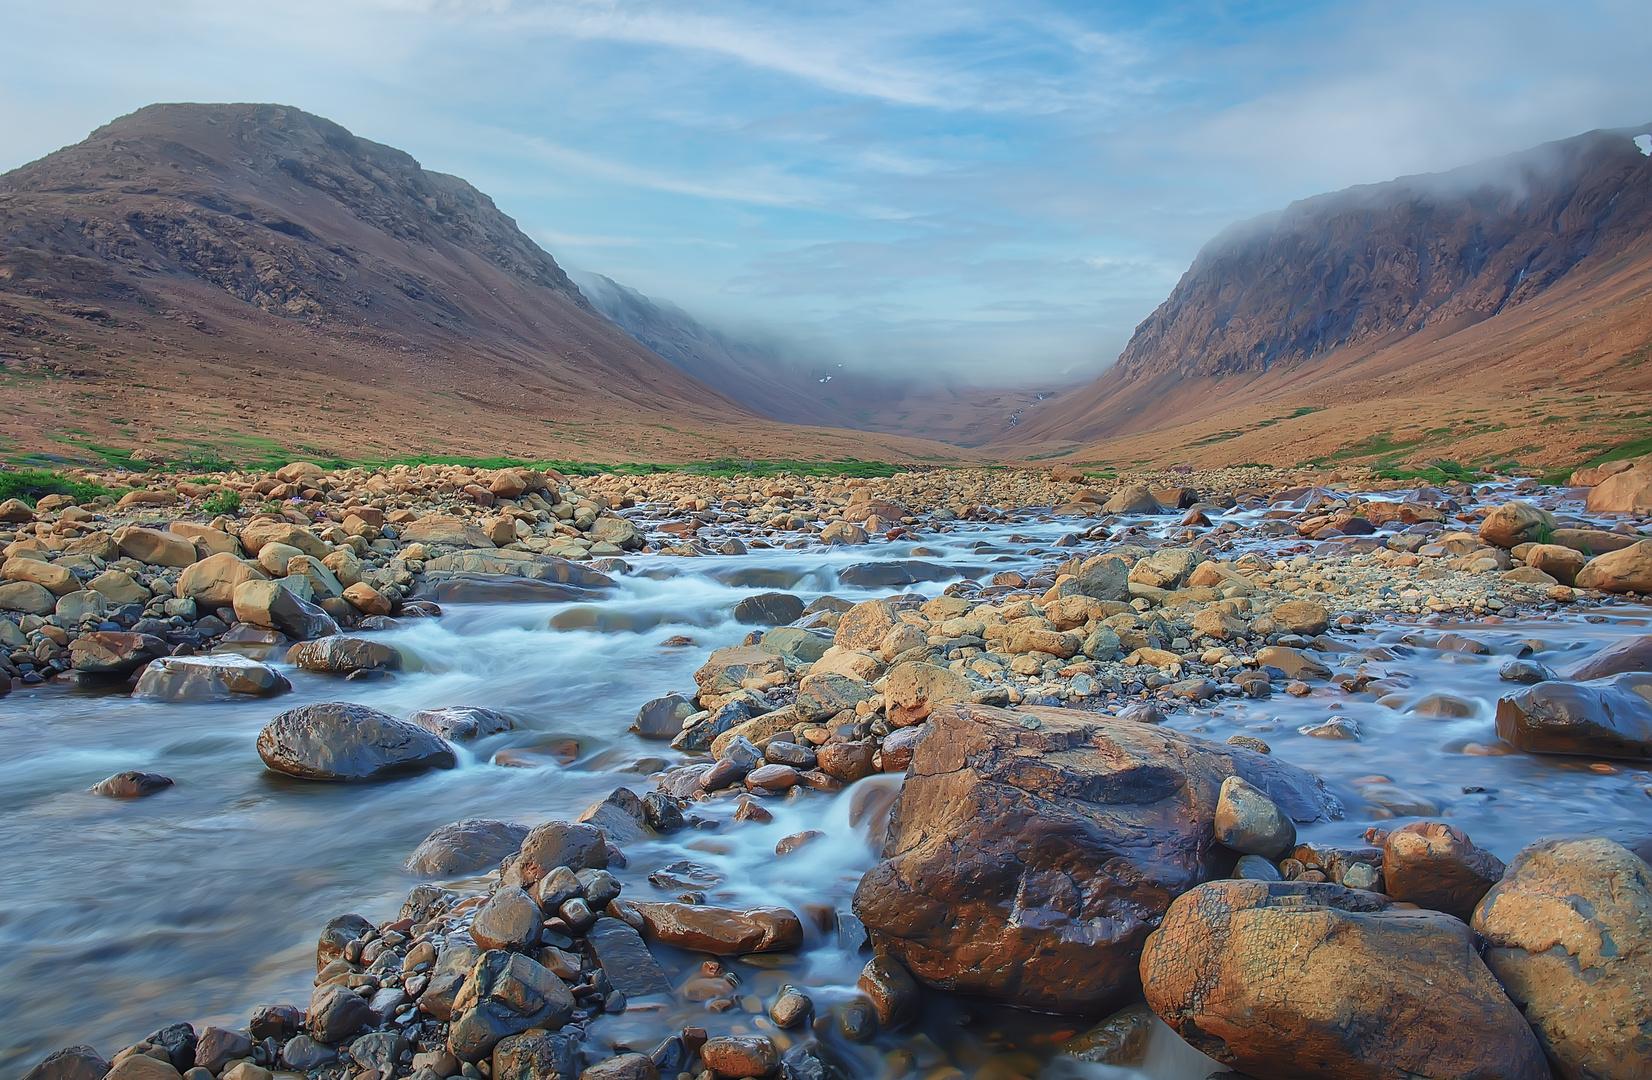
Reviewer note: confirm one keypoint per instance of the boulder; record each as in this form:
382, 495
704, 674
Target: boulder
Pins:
142, 1067
451, 531
733, 1056
27, 597
1436, 866
339, 740
625, 959
1568, 932
212, 581
726, 671
1560, 563
340, 655
118, 587
662, 718
1517, 523
720, 931
218, 1047
508, 920
260, 531
557, 843
273, 557
270, 605
768, 609
1031, 852
155, 548
1318, 981
1300, 617
914, 690
72, 1062
207, 540
1629, 492
1104, 577
863, 626
310, 570
505, 994
58, 580
204, 678
302, 473
1248, 821
465, 847
111, 652
537, 1055
336, 1012
461, 723
1626, 570
1134, 499
131, 785
619, 532
18, 512
884, 575
1625, 654
1295, 663
520, 564
1609, 717
821, 697
366, 599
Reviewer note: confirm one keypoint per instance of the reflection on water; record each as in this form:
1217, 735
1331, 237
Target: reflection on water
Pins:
205, 901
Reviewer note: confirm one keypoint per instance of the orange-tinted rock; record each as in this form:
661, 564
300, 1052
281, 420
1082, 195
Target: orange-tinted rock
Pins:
721, 931
1625, 570
1628, 492
1317, 981
1436, 866
1605, 718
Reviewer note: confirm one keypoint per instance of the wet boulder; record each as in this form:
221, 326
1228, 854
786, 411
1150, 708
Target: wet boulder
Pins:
1030, 853
1515, 523
1313, 980
863, 626
1626, 492
537, 1055
1134, 499
505, 994
720, 931
726, 671
155, 548
1560, 563
1568, 932
623, 957
662, 718
204, 678
465, 847
132, 785
340, 655
914, 690
1626, 570
820, 697
1248, 821
270, 605
508, 920
338, 740
70, 1063
111, 652
336, 1013
884, 575
461, 723
1609, 717
769, 609
1436, 866
442, 529
551, 844
1302, 617
1104, 577
1625, 654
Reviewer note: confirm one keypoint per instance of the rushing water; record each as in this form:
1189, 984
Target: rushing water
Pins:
204, 901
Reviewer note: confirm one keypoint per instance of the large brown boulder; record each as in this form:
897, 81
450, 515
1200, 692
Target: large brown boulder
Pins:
1629, 492
727, 670
1517, 523
341, 655
1625, 654
1609, 717
255, 534
1030, 853
1435, 865
211, 582
111, 652
721, 931
339, 740
1309, 981
1625, 570
1569, 933
202, 678
1556, 560
440, 529
270, 605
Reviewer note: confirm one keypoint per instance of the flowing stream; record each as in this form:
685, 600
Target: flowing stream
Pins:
204, 901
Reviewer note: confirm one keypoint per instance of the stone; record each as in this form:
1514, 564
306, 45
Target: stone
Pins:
465, 847
218, 1047
1625, 654
1436, 866
27, 597
212, 581
843, 532
58, 580
379, 1051
278, 1022
662, 718
769, 609
536, 1054
453, 966
1133, 499
1629, 492
1560, 563
336, 937
18, 512
451, 531
720, 931
1121, 1039
557, 843
205, 678
1568, 932
155, 548
820, 697
847, 761
339, 740
461, 723
1295, 663
1215, 623
274, 557
619, 815
509, 920
1302, 617
366, 599
1248, 821
270, 605
864, 625
796, 644
791, 1008
340, 655
726, 671
118, 587
72, 1062
1609, 717
303, 1053
1626, 570
1032, 851
629, 1066
81, 605
916, 690
113, 652
505, 994
142, 1067
1308, 980
207, 540
336, 1013
734, 1056
618, 532
260, 531
1517, 523
892, 990
625, 960
132, 785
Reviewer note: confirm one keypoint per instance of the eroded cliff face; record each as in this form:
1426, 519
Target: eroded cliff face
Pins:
1387, 260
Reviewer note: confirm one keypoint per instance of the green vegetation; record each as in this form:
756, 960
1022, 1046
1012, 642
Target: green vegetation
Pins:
222, 501
1633, 449
1441, 471
30, 484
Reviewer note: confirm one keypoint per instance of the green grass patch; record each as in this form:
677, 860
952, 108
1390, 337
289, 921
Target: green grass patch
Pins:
1435, 472
222, 501
30, 484
1632, 449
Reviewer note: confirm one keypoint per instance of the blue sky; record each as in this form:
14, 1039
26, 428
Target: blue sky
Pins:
999, 192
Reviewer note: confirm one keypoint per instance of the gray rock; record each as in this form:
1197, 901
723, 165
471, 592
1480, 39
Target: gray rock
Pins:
344, 741
466, 847
623, 957
1249, 822
663, 717
204, 678
132, 785
70, 1063
336, 1013
509, 920
340, 655
303, 1053
461, 723
769, 609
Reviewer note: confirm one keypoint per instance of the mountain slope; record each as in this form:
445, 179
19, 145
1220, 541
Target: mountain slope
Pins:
1473, 274
386, 308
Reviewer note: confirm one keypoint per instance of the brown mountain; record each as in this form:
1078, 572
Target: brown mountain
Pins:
1405, 317
242, 278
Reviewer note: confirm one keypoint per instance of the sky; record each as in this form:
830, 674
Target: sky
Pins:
998, 192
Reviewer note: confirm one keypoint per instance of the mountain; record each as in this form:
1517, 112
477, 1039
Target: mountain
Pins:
1515, 278
233, 279
771, 385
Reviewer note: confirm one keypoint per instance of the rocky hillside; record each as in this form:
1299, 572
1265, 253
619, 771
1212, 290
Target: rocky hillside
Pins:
1406, 265
192, 248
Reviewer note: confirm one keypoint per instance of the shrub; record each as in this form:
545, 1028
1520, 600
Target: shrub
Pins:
222, 501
